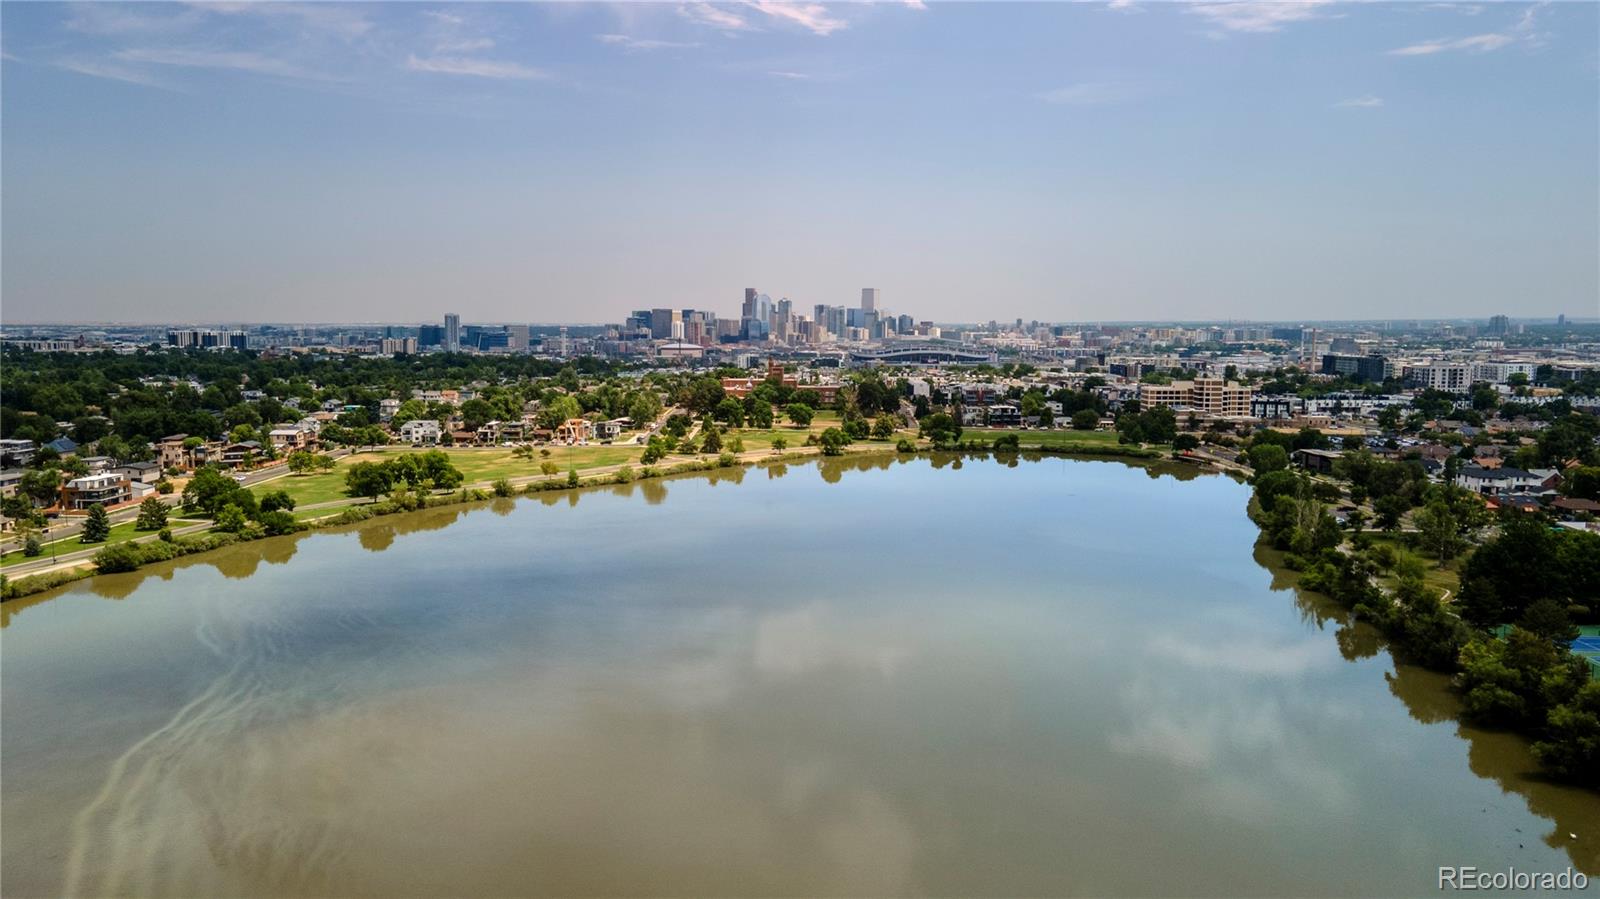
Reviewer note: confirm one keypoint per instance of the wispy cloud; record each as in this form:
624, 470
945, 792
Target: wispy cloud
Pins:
111, 71
477, 68
813, 17
714, 16
628, 42
792, 76
113, 19
1478, 43
336, 19
1523, 31
1094, 93
1367, 102
917, 5
1124, 6
226, 60
1258, 16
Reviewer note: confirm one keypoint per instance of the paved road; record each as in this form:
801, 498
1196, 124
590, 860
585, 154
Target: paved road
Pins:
74, 558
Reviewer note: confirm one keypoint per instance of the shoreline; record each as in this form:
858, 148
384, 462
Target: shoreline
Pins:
354, 511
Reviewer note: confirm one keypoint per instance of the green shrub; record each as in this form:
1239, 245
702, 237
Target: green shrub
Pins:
121, 557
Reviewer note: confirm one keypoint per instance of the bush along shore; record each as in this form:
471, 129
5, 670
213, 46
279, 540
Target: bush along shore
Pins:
1505, 638
234, 526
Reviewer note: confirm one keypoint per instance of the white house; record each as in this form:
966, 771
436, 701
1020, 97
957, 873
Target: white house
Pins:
421, 431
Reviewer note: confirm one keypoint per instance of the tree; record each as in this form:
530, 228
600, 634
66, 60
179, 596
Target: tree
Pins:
758, 413
152, 515
1268, 457
370, 479
572, 477
548, 468
941, 428
502, 487
1390, 508
1548, 619
712, 441
779, 444
278, 522
833, 441
557, 410
97, 527
1571, 747
1583, 482
1085, 420
276, 501
31, 547
230, 518
883, 428
42, 485
644, 408
300, 462
475, 413
1439, 530
731, 412
1185, 442
800, 414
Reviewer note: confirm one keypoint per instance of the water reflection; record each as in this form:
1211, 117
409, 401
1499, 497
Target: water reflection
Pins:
632, 728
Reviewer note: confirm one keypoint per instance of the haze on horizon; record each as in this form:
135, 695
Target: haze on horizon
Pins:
571, 162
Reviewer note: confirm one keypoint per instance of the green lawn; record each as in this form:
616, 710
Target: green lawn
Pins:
119, 534
477, 465
1050, 439
1436, 577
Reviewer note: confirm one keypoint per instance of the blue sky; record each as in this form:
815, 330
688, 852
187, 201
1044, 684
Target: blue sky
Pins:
570, 161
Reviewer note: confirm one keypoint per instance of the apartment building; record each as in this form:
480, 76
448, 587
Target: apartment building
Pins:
1213, 396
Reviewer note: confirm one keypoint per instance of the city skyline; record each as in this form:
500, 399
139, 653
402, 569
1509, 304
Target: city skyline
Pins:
572, 163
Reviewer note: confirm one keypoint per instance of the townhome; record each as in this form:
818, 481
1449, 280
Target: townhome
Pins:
1003, 415
1497, 480
235, 455
170, 452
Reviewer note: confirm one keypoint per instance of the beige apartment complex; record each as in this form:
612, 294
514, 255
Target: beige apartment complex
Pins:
1213, 396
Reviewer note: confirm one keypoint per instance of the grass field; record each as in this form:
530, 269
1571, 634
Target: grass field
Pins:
1436, 577
477, 465
1051, 439
119, 533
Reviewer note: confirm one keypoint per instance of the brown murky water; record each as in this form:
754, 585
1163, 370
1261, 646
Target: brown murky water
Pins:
874, 677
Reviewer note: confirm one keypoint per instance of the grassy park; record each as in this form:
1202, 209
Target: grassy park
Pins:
119, 533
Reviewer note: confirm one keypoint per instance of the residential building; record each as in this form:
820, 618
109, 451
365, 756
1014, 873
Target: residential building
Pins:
140, 472
1451, 377
452, 332
108, 489
575, 430
15, 451
236, 455
421, 431
1214, 396
1359, 368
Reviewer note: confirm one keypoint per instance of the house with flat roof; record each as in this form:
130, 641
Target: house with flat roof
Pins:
421, 432
108, 489
140, 472
16, 451
575, 430
1317, 460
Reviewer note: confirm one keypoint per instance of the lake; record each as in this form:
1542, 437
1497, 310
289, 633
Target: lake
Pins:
868, 676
